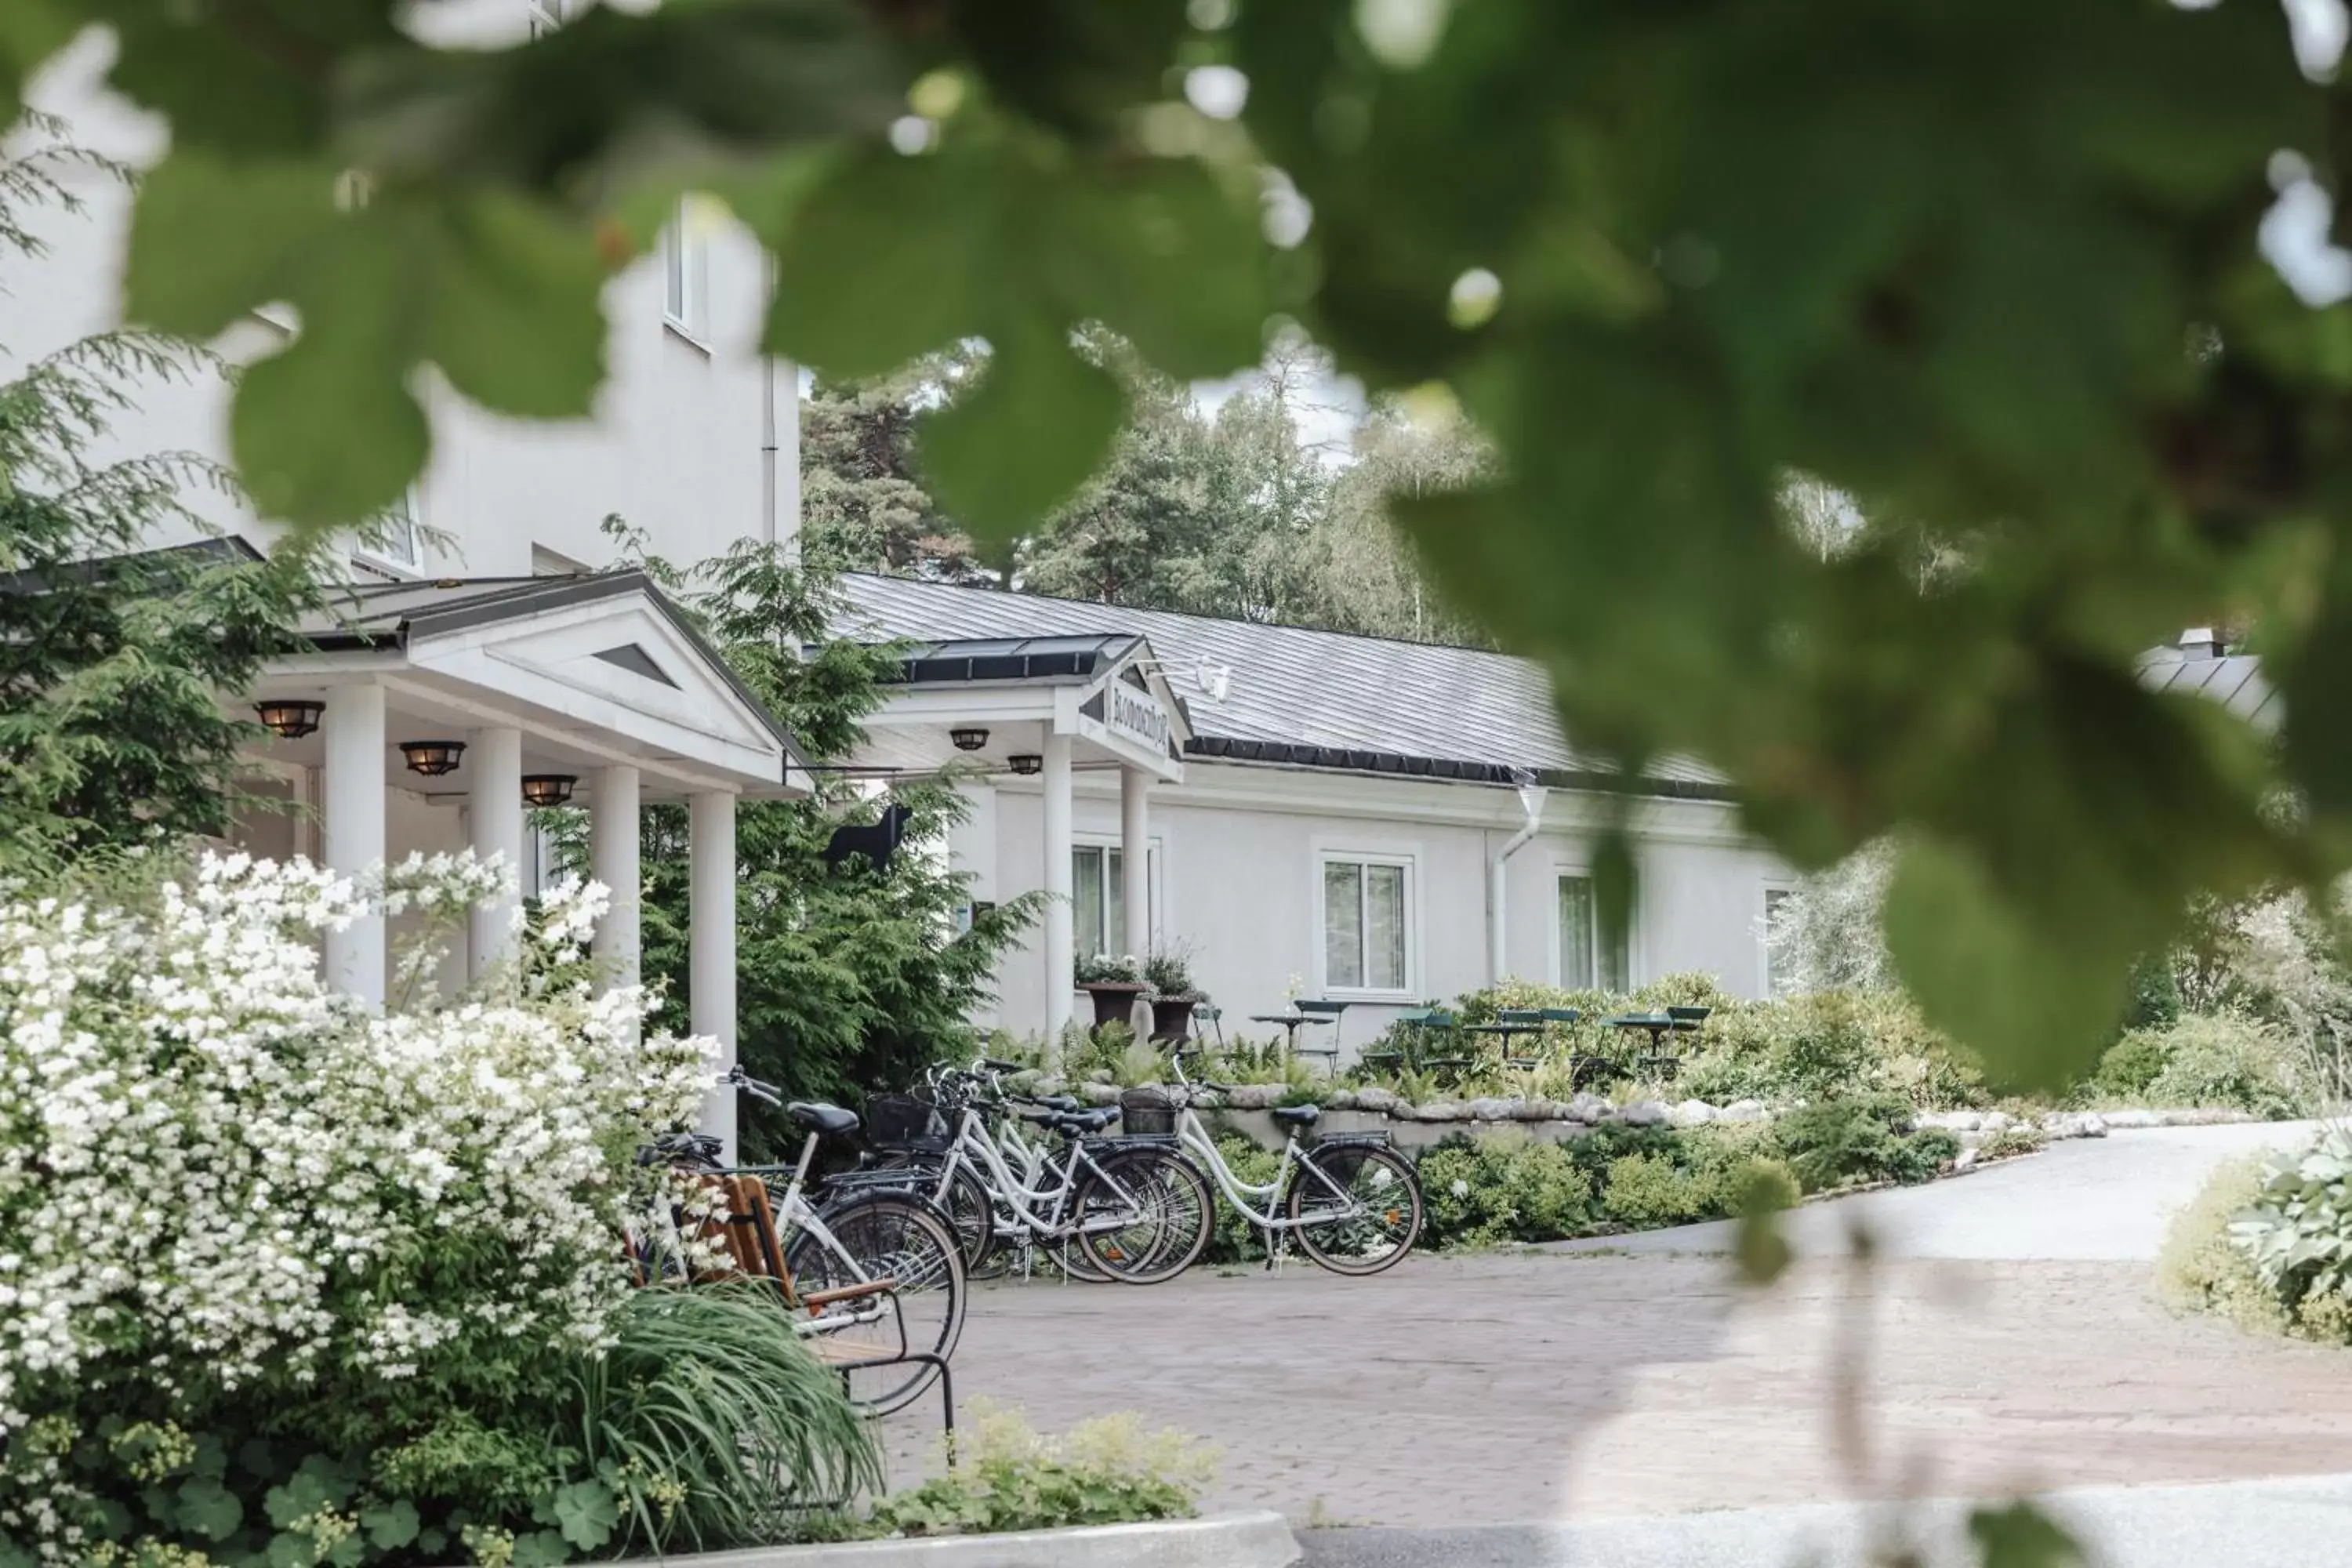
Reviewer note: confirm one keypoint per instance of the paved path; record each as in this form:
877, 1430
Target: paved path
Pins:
2082, 1199
2303, 1523
1511, 1388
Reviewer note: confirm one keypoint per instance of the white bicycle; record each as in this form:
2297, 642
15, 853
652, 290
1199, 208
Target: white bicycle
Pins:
1351, 1200
1131, 1210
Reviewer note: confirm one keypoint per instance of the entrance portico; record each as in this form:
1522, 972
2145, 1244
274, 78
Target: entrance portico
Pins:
445, 711
1047, 708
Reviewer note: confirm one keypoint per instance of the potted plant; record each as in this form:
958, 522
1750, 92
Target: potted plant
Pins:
1114, 983
1169, 972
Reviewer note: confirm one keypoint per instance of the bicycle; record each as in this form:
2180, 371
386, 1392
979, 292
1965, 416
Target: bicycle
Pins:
1350, 1199
1129, 1210
838, 1255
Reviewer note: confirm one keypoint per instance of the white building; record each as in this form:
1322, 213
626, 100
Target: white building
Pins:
1344, 819
473, 633
1350, 818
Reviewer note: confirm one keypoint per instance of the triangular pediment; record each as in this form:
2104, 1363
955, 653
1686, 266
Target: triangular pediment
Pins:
619, 662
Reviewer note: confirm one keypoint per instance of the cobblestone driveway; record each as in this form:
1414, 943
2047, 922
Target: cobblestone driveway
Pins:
1514, 1387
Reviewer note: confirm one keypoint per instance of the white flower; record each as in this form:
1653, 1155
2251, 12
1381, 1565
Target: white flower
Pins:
1460, 1189
291, 1156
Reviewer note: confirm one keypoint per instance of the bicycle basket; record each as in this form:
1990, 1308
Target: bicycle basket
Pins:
901, 1118
1146, 1113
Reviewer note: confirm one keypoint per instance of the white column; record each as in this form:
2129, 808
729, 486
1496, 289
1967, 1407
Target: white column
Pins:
1135, 856
351, 837
613, 860
494, 814
711, 963
1060, 955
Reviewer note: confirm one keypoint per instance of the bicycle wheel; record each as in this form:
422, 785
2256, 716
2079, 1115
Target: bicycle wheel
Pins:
887, 1234
1355, 1207
968, 1206
1164, 1207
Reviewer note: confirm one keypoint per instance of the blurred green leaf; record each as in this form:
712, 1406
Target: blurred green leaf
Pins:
1003, 454
2022, 1536
210, 240
889, 257
2021, 995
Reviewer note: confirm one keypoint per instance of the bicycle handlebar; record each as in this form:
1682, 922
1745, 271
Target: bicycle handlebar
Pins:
737, 1077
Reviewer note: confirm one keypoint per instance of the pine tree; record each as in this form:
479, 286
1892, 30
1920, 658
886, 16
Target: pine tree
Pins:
115, 658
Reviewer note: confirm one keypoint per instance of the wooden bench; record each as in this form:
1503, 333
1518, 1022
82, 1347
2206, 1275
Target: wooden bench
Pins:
740, 1222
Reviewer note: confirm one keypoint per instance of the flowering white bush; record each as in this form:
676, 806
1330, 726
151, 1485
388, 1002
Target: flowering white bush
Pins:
217, 1175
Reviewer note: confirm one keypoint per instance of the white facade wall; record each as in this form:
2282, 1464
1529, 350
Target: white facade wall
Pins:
1240, 853
675, 444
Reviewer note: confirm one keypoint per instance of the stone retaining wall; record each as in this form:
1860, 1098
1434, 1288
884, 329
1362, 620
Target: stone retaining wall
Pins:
1418, 1127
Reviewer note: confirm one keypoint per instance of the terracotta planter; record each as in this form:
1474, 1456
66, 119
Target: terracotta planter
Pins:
1114, 1000
1171, 1017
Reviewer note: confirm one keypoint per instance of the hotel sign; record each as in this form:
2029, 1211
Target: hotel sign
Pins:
1138, 714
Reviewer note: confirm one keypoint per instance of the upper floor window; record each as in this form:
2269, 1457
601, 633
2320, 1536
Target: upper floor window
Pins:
1589, 958
395, 537
546, 16
685, 273
1367, 923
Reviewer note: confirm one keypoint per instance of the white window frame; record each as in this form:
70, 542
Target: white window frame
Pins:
1153, 859
1343, 853
546, 16
1636, 961
686, 278
407, 523
1765, 894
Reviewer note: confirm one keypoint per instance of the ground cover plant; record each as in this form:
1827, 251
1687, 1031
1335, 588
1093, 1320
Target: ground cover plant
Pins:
1004, 1476
283, 1282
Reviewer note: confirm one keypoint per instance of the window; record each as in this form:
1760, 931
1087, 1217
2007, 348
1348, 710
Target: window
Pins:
392, 540
1588, 960
685, 270
1774, 899
1365, 924
1098, 892
546, 16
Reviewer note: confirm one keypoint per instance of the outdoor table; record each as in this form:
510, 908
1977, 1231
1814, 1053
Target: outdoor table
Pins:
1657, 1025
1506, 1032
1290, 1023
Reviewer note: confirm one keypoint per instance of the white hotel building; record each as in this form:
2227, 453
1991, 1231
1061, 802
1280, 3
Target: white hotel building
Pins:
1378, 822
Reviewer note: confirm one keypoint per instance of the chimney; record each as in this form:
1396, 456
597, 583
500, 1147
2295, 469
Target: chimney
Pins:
2201, 642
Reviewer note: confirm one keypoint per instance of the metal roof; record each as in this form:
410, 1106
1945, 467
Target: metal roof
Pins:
2235, 680
1300, 697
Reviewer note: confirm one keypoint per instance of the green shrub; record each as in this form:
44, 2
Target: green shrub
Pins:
2221, 1059
2134, 1062
2201, 1269
2298, 1231
1004, 1477
1863, 1137
1705, 1173
1644, 1191
1504, 1186
1235, 1239
709, 1424
2017, 1138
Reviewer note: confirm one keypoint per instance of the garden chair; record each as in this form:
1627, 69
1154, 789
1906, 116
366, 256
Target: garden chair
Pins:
848, 1329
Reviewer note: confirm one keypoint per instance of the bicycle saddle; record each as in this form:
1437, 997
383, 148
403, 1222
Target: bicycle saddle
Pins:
829, 1120
1077, 1120
1296, 1115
